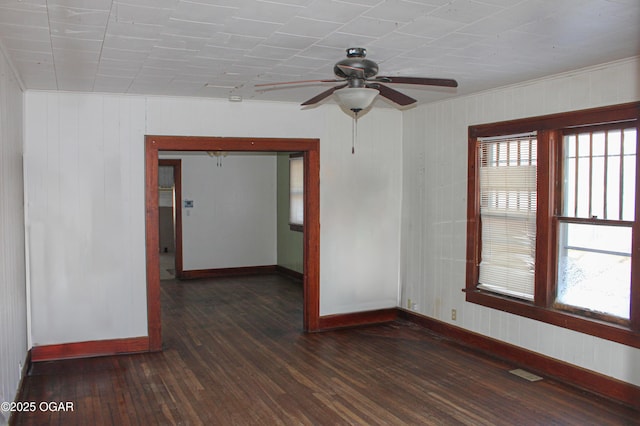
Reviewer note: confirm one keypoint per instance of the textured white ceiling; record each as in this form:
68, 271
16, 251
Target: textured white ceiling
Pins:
218, 48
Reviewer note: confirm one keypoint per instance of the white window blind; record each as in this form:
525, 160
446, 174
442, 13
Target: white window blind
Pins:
165, 177
507, 175
296, 191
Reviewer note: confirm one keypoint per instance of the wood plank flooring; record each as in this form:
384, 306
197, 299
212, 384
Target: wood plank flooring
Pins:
234, 354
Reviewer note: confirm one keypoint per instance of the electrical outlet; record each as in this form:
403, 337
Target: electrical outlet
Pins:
414, 306
454, 314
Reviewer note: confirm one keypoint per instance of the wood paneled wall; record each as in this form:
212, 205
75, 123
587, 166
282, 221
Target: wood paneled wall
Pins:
434, 210
85, 177
85, 186
13, 300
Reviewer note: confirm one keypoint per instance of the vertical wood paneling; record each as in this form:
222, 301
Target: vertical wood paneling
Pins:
87, 274
440, 130
13, 303
360, 212
86, 244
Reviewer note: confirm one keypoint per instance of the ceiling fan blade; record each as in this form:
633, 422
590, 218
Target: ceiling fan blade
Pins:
297, 82
444, 82
323, 95
393, 95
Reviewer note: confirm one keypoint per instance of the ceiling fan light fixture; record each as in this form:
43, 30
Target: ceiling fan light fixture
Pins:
359, 83
356, 98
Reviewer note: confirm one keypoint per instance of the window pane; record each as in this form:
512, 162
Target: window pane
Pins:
594, 268
507, 178
599, 175
296, 191
614, 170
597, 187
629, 187
583, 192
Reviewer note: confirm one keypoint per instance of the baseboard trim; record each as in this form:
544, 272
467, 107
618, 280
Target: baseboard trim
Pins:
90, 349
227, 272
331, 322
25, 367
289, 272
25, 371
570, 374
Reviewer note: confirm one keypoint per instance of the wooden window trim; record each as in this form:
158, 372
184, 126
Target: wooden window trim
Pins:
550, 129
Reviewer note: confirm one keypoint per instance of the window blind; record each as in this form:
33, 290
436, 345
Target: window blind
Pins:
507, 176
165, 177
296, 191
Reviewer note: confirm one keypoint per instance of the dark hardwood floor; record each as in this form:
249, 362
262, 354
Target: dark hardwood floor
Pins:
234, 354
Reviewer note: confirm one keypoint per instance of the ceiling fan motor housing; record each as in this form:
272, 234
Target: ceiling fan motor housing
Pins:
356, 67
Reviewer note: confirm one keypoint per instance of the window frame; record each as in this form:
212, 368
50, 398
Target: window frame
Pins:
297, 227
550, 134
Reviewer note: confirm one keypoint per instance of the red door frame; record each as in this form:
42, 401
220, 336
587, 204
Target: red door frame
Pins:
311, 239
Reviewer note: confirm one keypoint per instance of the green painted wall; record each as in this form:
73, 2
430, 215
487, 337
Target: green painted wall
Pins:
289, 242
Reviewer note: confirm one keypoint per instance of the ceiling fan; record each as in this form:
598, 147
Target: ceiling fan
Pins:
360, 83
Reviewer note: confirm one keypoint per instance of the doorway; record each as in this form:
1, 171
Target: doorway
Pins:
170, 218
311, 229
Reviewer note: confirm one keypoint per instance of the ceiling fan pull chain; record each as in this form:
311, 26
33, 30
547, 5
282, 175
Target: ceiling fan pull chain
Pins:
354, 133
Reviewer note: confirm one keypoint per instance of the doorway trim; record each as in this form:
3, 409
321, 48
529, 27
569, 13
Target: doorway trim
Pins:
311, 235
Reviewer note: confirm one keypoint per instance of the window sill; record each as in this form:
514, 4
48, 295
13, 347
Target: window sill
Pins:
594, 327
296, 227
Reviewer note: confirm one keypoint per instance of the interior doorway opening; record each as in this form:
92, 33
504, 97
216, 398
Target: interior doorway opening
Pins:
311, 229
169, 218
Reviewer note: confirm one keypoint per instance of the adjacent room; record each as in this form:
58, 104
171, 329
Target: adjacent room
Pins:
319, 212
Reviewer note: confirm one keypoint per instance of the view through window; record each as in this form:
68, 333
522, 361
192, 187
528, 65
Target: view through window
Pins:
594, 237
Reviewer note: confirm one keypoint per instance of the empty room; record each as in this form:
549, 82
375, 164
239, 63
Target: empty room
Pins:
319, 212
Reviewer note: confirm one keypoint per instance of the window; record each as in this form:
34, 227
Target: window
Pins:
507, 177
296, 192
596, 219
552, 220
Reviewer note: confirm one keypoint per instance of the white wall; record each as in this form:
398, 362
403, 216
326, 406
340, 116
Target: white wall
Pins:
13, 304
84, 168
85, 194
233, 219
360, 204
434, 209
290, 243
359, 194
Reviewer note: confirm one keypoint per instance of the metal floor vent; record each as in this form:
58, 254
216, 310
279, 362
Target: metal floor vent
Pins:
525, 375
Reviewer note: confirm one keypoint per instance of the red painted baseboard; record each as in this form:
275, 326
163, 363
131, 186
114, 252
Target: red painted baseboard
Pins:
227, 272
582, 378
90, 349
330, 322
